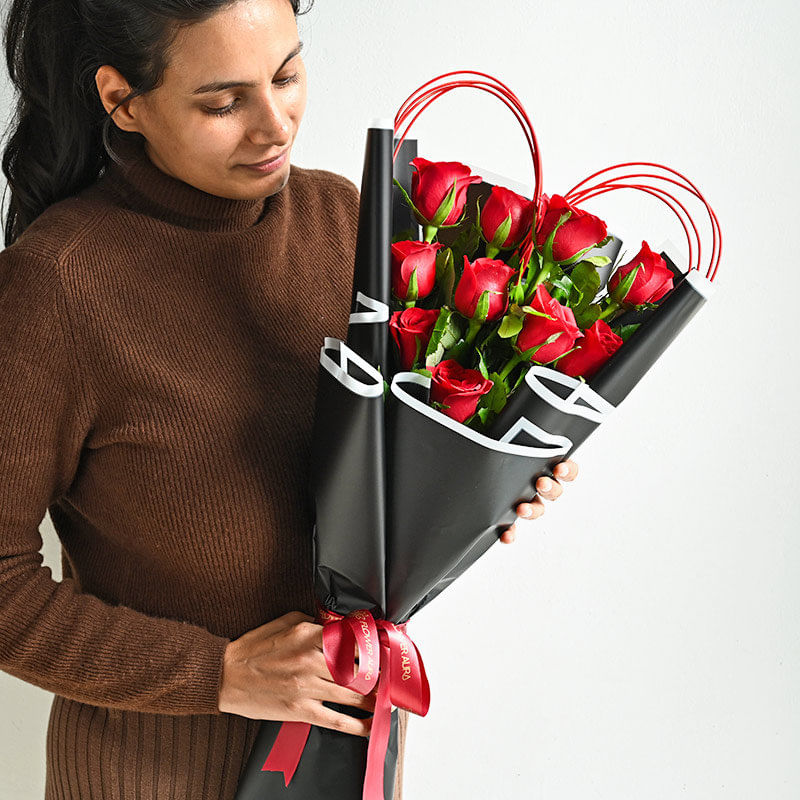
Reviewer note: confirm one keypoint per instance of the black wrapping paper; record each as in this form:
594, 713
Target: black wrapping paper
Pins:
348, 485
406, 498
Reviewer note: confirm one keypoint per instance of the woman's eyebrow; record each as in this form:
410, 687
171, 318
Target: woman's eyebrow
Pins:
218, 86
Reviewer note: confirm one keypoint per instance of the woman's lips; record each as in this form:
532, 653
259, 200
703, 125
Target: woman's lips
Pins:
269, 166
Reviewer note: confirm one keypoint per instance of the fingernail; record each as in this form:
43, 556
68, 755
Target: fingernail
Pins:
527, 513
545, 484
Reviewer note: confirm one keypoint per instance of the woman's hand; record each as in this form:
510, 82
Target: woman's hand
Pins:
545, 488
278, 671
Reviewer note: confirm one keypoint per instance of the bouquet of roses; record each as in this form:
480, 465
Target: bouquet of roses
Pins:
481, 297
490, 334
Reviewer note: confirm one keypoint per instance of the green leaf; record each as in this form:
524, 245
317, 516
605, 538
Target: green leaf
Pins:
406, 197
510, 326
459, 352
623, 287
445, 273
496, 398
531, 310
446, 206
467, 241
482, 364
528, 354
626, 331
413, 291
445, 334
501, 234
586, 279
586, 317
597, 261
562, 288
422, 371
482, 308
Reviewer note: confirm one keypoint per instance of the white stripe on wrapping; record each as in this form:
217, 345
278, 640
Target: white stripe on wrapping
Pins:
339, 368
553, 444
379, 312
600, 407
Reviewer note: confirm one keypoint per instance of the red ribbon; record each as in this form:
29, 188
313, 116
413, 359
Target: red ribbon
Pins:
386, 657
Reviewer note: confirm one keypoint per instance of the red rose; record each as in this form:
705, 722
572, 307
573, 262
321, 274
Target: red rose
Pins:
580, 231
478, 276
458, 388
652, 281
410, 326
432, 183
501, 204
408, 256
595, 347
536, 330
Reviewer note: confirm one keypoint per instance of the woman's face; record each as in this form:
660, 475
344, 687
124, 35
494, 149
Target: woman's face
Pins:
204, 135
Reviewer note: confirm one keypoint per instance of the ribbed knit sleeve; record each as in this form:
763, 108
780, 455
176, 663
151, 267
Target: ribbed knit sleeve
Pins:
52, 634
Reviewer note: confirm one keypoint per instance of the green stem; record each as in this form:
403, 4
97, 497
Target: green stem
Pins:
410, 303
428, 232
489, 337
491, 251
472, 331
612, 308
508, 368
541, 276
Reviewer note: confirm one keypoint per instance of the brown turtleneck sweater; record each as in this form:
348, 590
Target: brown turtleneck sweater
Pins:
158, 351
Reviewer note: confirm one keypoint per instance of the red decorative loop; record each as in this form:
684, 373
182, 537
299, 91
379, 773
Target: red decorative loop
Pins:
422, 97
654, 185
386, 656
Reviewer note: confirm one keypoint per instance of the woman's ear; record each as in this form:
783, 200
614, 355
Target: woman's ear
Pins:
112, 88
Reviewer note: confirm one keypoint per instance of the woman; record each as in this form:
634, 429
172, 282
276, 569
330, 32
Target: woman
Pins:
162, 302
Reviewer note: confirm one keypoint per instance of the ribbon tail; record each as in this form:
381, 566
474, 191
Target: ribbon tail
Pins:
287, 749
379, 735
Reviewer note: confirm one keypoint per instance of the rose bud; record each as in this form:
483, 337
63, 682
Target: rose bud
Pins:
536, 329
409, 256
431, 187
410, 327
580, 232
479, 276
652, 281
458, 388
503, 206
594, 348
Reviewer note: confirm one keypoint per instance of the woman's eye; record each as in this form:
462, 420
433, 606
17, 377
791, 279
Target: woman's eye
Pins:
291, 79
229, 108
225, 110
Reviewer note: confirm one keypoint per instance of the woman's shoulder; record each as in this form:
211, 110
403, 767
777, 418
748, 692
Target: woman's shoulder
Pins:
323, 184
64, 226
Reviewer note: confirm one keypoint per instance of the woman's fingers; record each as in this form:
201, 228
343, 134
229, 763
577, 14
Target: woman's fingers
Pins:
566, 470
328, 718
546, 489
532, 510
333, 693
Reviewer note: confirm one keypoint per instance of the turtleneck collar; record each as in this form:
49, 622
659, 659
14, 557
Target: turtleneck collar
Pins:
147, 188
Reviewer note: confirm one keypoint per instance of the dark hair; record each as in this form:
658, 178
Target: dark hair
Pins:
58, 137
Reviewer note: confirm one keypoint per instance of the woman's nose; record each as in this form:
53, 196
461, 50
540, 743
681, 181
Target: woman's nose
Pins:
271, 123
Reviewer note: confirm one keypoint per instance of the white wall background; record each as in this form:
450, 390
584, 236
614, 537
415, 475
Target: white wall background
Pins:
641, 640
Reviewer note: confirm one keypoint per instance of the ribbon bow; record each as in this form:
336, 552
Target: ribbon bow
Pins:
386, 657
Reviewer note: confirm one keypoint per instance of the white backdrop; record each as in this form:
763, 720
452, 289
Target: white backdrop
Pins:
642, 639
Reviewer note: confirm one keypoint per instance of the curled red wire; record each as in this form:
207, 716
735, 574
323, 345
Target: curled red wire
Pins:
422, 97
653, 185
